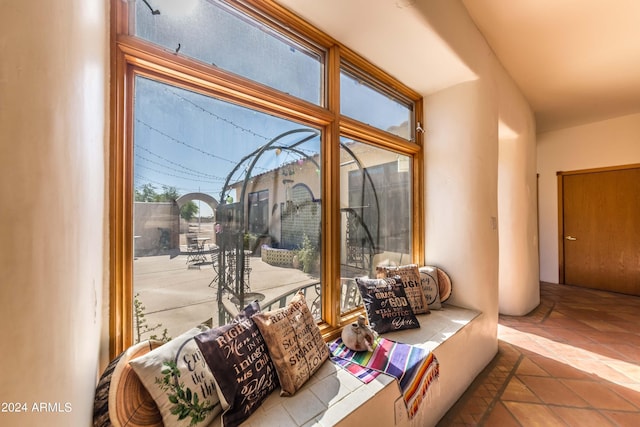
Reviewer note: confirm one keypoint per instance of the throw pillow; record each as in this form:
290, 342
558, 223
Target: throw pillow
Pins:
410, 279
294, 341
429, 282
386, 304
242, 369
121, 399
444, 283
179, 381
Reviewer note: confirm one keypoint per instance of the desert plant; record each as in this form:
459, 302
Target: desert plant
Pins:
308, 255
141, 326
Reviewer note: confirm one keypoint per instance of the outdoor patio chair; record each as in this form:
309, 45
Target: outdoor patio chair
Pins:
232, 268
193, 251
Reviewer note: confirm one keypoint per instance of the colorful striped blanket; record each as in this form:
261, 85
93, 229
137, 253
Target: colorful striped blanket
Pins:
415, 368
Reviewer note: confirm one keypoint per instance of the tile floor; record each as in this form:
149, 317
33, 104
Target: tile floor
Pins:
573, 361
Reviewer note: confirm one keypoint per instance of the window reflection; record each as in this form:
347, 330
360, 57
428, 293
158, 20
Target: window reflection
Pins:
226, 209
375, 205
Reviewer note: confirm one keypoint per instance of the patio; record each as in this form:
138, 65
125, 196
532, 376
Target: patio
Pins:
178, 296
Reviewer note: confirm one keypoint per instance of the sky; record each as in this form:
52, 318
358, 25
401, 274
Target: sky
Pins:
191, 141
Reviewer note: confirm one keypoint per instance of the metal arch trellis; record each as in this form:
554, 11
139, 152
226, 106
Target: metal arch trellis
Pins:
358, 217
231, 238
255, 155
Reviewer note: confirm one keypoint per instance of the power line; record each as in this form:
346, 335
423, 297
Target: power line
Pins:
191, 146
183, 143
187, 171
180, 189
235, 125
172, 162
174, 175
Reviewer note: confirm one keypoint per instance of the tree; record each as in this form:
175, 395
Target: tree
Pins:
169, 194
189, 210
148, 193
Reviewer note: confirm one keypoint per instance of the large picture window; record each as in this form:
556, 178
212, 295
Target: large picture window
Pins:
202, 174
233, 179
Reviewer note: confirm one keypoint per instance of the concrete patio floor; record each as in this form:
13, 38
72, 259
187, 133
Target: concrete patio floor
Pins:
178, 297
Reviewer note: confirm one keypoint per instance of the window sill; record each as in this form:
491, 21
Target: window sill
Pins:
333, 396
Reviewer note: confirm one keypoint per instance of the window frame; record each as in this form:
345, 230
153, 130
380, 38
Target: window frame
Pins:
250, 208
132, 56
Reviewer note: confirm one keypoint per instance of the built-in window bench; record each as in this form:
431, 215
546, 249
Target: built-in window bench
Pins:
333, 397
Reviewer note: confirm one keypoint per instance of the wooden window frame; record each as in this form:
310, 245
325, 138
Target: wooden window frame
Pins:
132, 57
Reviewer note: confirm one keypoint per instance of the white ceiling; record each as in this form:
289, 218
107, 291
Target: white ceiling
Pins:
576, 61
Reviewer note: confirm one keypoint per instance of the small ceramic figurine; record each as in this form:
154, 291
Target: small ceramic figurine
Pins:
358, 336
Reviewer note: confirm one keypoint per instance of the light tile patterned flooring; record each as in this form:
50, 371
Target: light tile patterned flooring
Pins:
573, 361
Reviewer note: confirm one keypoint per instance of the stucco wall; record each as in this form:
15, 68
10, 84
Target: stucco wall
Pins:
53, 104
594, 145
53, 80
472, 165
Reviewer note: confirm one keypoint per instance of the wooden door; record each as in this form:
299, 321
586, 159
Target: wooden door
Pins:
600, 226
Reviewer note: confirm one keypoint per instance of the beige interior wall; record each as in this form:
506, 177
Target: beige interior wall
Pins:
516, 217
53, 79
461, 215
519, 283
594, 145
53, 104
519, 287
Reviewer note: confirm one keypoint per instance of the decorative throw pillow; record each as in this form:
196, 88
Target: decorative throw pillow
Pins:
294, 341
121, 399
386, 303
444, 283
179, 381
429, 282
410, 279
243, 371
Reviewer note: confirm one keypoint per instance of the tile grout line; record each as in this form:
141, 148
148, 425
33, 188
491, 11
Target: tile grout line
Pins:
510, 376
500, 391
549, 311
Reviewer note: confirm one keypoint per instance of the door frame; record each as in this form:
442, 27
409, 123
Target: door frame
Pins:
561, 175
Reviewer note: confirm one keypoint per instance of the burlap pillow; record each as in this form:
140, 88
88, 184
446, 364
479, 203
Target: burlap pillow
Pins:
386, 304
410, 279
294, 341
